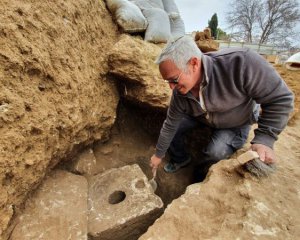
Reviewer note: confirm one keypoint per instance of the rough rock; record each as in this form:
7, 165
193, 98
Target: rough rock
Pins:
58, 210
207, 45
132, 62
232, 204
85, 163
54, 95
205, 42
121, 204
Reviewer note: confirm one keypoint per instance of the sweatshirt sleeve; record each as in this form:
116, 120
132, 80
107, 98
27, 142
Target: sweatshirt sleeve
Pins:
266, 87
174, 115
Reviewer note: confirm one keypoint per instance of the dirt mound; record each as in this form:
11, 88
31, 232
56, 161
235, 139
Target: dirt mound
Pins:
205, 42
139, 76
54, 94
292, 79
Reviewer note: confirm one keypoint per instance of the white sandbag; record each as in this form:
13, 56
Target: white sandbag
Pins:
157, 3
177, 27
171, 8
128, 16
131, 19
113, 5
158, 29
147, 4
293, 63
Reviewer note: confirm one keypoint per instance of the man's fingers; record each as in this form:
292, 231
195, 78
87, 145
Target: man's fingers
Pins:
262, 155
265, 153
153, 166
270, 158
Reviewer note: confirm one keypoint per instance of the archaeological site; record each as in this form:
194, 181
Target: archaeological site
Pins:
82, 103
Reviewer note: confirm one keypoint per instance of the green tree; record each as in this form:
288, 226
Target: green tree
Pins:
213, 25
223, 35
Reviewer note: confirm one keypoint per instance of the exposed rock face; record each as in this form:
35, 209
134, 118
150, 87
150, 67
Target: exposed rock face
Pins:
205, 42
132, 61
232, 204
85, 164
53, 91
58, 210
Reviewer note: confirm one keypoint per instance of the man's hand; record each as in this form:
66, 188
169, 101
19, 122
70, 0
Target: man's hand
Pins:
265, 153
154, 162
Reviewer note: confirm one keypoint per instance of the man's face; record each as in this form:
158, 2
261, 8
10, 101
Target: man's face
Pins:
177, 78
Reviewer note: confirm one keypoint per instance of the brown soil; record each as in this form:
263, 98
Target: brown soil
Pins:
53, 71
292, 78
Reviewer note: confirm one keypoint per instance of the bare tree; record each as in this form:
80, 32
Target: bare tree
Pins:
243, 16
277, 18
264, 21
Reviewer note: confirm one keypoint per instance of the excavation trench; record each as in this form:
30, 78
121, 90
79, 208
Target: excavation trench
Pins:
122, 159
132, 141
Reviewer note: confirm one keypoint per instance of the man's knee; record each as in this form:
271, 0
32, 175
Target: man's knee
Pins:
217, 152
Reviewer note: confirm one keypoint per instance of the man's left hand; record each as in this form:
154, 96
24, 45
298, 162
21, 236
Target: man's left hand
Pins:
266, 154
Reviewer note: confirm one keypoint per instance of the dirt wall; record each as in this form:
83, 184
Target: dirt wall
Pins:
54, 95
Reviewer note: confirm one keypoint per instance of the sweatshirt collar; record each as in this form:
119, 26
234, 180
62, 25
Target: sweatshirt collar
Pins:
207, 64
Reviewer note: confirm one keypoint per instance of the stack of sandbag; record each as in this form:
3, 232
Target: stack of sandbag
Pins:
158, 29
162, 18
176, 22
128, 16
205, 42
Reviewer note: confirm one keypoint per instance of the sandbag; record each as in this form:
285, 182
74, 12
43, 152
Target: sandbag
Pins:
158, 29
147, 4
171, 8
113, 5
177, 27
293, 63
128, 16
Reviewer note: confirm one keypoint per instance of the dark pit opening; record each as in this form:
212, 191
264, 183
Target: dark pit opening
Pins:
295, 65
116, 197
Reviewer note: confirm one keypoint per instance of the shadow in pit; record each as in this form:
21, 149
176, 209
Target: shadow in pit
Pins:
133, 140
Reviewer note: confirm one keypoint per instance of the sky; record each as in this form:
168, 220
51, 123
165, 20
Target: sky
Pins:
196, 13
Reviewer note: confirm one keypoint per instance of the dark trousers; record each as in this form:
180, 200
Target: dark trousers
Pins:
223, 143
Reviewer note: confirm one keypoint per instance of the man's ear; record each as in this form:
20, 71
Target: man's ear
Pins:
195, 62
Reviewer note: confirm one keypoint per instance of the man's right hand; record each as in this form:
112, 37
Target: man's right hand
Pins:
154, 162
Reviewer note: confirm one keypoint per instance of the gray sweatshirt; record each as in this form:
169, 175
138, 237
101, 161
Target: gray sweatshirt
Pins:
234, 82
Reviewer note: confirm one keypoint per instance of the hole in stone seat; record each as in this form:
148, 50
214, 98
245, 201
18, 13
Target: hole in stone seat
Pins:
140, 184
116, 197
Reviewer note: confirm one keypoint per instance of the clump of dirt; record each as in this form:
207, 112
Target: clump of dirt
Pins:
205, 41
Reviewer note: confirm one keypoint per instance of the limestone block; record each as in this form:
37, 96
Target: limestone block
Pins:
140, 75
205, 42
121, 204
57, 211
207, 45
86, 163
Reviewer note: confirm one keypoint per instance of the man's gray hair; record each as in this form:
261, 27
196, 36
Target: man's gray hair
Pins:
180, 51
